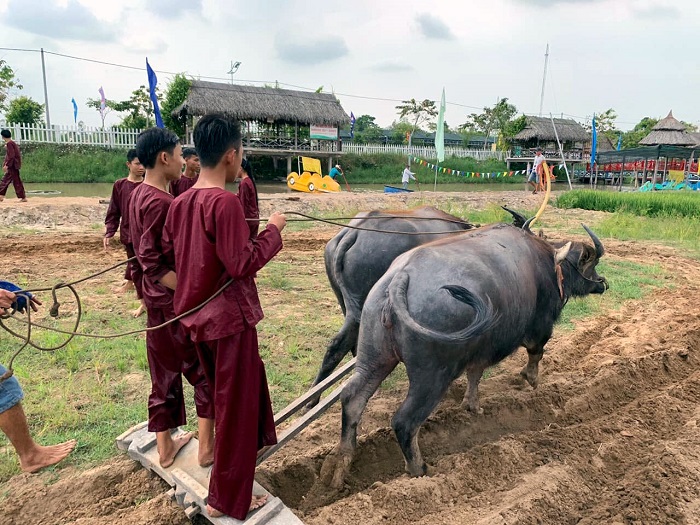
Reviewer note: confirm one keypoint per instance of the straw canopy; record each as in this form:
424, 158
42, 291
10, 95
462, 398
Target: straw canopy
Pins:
540, 128
265, 104
668, 132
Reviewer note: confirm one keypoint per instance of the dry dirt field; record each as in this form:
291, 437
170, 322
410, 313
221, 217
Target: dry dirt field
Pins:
609, 436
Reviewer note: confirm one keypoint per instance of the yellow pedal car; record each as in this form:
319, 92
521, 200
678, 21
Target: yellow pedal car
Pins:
311, 180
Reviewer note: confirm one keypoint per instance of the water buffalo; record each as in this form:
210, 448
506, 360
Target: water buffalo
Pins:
459, 304
357, 259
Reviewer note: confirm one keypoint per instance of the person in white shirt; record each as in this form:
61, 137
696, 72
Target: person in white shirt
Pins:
535, 174
407, 174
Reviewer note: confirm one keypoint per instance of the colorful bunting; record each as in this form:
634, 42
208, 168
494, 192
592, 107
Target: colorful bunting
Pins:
472, 174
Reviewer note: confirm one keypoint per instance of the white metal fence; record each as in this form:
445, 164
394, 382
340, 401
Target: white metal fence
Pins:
423, 151
120, 138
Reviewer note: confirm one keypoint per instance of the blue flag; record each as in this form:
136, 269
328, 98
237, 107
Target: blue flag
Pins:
152, 83
594, 142
619, 142
352, 125
75, 111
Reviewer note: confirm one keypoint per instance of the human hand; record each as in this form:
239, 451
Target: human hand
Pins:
6, 298
278, 219
105, 242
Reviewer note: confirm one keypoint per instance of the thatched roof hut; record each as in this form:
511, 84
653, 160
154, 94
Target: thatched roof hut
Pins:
263, 104
668, 132
540, 129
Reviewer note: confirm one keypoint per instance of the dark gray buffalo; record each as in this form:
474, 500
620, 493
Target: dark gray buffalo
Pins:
458, 305
357, 259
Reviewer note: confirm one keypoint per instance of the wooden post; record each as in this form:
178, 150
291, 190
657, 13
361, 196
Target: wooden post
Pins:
595, 185
289, 165
296, 134
656, 171
622, 171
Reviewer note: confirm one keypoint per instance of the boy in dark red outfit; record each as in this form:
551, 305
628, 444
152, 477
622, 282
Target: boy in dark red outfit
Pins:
10, 168
189, 176
118, 216
207, 231
170, 352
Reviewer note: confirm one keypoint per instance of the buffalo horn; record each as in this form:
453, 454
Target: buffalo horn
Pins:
526, 226
518, 219
561, 253
599, 249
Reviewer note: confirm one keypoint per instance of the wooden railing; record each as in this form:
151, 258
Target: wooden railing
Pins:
427, 152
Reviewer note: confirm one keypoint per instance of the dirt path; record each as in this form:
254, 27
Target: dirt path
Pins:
610, 435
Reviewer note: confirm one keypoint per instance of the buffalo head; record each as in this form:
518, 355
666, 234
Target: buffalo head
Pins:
578, 261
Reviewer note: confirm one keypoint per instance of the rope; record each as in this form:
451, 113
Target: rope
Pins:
547, 175
54, 310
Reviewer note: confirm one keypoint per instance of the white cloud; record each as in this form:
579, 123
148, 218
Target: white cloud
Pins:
307, 48
434, 28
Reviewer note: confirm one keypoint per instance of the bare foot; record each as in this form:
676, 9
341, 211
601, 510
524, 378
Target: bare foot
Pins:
139, 311
23, 200
167, 457
43, 457
255, 503
125, 287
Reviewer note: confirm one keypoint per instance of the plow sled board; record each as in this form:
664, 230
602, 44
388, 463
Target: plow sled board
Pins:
190, 483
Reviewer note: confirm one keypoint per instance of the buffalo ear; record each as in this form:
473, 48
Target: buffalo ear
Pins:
561, 253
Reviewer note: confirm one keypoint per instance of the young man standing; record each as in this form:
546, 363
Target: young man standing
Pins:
10, 168
407, 174
118, 215
207, 231
535, 177
170, 352
189, 177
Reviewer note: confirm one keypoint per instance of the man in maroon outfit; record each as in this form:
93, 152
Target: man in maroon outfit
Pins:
118, 218
189, 177
208, 234
248, 195
11, 166
170, 352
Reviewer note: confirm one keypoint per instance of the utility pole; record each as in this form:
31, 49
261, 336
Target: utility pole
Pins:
234, 68
46, 91
544, 77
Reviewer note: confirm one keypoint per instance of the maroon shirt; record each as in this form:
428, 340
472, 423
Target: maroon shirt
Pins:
208, 236
148, 209
13, 159
118, 211
249, 200
180, 186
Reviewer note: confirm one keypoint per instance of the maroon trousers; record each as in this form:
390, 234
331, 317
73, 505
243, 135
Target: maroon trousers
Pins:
244, 419
129, 273
12, 177
171, 354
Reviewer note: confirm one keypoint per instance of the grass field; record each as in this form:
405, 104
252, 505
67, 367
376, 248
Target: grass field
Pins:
652, 204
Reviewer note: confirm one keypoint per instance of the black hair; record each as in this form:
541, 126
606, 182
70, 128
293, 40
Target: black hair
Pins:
248, 168
131, 155
152, 142
5, 133
188, 152
214, 135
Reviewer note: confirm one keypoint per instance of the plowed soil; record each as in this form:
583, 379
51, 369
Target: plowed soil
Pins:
609, 436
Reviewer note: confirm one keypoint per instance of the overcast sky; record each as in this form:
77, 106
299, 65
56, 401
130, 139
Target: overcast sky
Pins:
636, 56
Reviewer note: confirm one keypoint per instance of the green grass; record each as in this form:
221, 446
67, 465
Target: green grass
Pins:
652, 204
627, 280
71, 163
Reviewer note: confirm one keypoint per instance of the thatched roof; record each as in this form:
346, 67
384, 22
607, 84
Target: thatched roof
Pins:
696, 137
541, 128
668, 132
262, 104
603, 143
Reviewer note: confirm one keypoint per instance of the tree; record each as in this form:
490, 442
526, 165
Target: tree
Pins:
495, 119
605, 124
417, 113
175, 94
366, 130
139, 109
8, 82
631, 138
24, 110
400, 130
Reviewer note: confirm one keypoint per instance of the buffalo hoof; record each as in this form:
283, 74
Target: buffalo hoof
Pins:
530, 376
473, 409
417, 471
335, 469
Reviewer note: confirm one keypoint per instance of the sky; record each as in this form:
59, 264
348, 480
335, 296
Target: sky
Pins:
635, 56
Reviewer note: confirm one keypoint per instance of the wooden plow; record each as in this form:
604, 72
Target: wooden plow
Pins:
190, 483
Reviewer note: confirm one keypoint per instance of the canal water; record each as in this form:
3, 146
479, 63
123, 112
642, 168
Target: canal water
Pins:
104, 190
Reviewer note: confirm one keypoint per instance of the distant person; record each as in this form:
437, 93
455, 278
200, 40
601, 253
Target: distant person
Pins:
335, 171
189, 176
11, 166
407, 174
536, 173
118, 216
13, 422
207, 232
171, 354
248, 195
